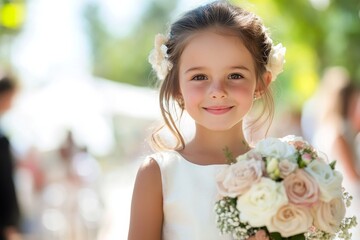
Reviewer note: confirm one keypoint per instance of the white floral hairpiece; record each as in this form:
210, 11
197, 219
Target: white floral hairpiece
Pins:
276, 60
159, 58
159, 61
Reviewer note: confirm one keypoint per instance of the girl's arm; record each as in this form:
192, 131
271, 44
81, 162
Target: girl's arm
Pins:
146, 207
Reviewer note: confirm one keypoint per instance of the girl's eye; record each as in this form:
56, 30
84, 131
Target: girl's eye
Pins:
199, 77
235, 76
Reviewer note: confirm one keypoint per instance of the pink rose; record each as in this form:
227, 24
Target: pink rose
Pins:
328, 215
301, 188
286, 167
291, 220
260, 235
237, 178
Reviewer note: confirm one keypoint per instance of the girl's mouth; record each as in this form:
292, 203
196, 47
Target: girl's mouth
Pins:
218, 110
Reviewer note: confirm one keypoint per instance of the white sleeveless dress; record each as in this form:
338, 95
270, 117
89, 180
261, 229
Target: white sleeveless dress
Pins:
189, 195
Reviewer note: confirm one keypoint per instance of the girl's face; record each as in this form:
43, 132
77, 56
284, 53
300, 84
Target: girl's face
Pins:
217, 80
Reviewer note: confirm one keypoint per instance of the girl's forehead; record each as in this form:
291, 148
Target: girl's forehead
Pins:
214, 47
210, 38
212, 32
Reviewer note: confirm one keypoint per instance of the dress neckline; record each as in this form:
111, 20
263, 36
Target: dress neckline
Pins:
198, 165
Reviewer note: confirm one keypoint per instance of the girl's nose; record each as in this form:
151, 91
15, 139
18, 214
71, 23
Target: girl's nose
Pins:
218, 91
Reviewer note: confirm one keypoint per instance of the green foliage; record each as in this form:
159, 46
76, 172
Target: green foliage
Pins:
315, 39
124, 59
12, 16
277, 236
229, 156
333, 164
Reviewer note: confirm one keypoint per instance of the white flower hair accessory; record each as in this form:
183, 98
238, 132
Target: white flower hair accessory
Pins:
276, 60
158, 57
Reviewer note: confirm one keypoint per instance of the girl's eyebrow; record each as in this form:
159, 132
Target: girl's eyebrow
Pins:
194, 69
241, 67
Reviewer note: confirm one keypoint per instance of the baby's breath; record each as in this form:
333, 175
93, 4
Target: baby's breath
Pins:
228, 220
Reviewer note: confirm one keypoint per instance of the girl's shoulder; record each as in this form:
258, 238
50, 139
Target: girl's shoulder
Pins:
149, 175
153, 164
161, 158
153, 169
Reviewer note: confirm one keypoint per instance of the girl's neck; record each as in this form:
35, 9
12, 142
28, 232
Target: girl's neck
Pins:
207, 147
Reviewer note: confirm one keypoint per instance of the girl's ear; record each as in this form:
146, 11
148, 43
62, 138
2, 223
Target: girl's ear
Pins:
267, 78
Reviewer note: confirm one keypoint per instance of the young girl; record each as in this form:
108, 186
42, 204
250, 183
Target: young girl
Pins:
216, 61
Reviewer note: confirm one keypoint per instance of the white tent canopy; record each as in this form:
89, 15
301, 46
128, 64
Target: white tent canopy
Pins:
83, 104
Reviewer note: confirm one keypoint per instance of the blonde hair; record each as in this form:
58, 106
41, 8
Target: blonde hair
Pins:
220, 15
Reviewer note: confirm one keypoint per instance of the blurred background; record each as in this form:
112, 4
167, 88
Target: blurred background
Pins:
80, 120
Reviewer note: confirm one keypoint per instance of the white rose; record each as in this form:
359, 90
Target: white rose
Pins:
292, 138
290, 220
274, 147
261, 202
329, 180
235, 179
328, 216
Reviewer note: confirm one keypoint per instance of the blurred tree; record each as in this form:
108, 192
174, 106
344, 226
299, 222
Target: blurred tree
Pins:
125, 59
12, 16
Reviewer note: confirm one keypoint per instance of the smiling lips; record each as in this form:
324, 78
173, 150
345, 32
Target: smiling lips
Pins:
218, 110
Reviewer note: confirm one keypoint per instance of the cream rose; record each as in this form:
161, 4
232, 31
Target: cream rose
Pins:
301, 188
290, 220
274, 147
329, 180
261, 202
328, 215
237, 178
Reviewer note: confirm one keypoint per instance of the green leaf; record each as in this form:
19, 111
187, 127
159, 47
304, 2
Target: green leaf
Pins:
333, 164
229, 156
298, 237
277, 236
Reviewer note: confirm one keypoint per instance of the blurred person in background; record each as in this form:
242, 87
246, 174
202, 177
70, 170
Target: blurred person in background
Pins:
350, 113
9, 207
327, 117
329, 123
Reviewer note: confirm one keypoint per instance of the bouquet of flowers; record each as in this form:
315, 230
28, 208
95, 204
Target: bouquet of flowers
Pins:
282, 189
